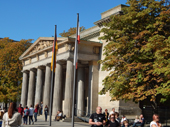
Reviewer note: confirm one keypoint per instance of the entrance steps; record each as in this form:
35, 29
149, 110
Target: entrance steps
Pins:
76, 119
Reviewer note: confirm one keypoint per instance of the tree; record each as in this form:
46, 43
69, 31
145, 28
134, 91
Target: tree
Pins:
137, 53
10, 68
71, 31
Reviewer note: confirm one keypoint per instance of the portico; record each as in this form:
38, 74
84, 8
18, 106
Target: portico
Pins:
37, 74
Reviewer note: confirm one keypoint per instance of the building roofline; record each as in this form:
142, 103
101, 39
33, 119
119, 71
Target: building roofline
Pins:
122, 5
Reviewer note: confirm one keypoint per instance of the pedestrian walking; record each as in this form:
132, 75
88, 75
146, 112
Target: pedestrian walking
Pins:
36, 112
20, 110
46, 112
31, 111
11, 118
25, 115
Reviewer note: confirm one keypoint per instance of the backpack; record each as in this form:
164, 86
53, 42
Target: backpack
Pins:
27, 113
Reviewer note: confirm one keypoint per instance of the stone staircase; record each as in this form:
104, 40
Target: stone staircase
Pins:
76, 119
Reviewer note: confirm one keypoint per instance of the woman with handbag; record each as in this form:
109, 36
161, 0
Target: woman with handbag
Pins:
11, 118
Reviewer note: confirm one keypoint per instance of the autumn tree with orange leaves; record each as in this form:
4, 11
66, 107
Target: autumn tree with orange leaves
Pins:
71, 31
10, 68
137, 53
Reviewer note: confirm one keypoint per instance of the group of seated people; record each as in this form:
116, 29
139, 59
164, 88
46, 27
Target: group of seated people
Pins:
139, 121
123, 122
59, 115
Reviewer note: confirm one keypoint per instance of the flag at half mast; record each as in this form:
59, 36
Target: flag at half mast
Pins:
77, 41
54, 52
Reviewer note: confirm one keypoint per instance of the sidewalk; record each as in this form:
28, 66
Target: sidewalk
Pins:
41, 123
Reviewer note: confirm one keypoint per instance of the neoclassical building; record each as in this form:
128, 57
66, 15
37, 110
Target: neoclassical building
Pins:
37, 74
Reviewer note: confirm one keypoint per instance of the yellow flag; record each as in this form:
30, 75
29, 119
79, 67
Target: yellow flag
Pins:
54, 53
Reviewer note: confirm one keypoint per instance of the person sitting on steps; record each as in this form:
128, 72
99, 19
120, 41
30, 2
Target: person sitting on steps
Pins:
59, 115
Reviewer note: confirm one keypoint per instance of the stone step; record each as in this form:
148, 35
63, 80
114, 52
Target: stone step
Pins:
70, 119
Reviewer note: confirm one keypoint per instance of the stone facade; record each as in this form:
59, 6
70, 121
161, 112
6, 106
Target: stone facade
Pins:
37, 74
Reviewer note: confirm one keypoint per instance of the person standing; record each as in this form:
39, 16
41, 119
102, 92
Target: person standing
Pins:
36, 112
106, 114
112, 112
117, 117
112, 121
26, 114
46, 112
155, 122
41, 108
123, 119
20, 110
31, 111
11, 118
97, 119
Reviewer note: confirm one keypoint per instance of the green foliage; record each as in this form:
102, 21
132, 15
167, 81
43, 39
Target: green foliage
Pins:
10, 68
71, 31
137, 52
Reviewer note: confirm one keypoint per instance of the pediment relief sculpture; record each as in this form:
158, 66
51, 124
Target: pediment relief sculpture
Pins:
41, 45
69, 47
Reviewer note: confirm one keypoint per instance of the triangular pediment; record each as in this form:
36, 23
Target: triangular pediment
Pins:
40, 44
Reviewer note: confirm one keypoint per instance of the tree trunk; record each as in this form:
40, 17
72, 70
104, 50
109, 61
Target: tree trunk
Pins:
5, 107
154, 106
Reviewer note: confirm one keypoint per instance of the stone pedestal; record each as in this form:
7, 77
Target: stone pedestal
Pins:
80, 100
24, 88
68, 89
31, 89
57, 96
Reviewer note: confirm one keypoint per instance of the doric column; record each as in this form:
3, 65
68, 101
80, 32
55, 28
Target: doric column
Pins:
39, 86
93, 86
24, 89
68, 89
80, 85
31, 88
47, 87
57, 96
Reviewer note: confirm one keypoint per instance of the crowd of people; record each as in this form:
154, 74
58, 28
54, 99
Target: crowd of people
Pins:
11, 117
32, 112
14, 115
98, 119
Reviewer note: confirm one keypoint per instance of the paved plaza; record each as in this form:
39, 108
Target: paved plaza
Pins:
41, 123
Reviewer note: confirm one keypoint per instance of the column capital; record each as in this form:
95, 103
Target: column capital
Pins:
25, 71
60, 62
48, 64
41, 67
33, 69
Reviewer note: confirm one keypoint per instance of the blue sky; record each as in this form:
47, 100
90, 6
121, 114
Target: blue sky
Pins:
31, 19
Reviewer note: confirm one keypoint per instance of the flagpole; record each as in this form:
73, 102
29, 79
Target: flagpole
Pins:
74, 82
52, 78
